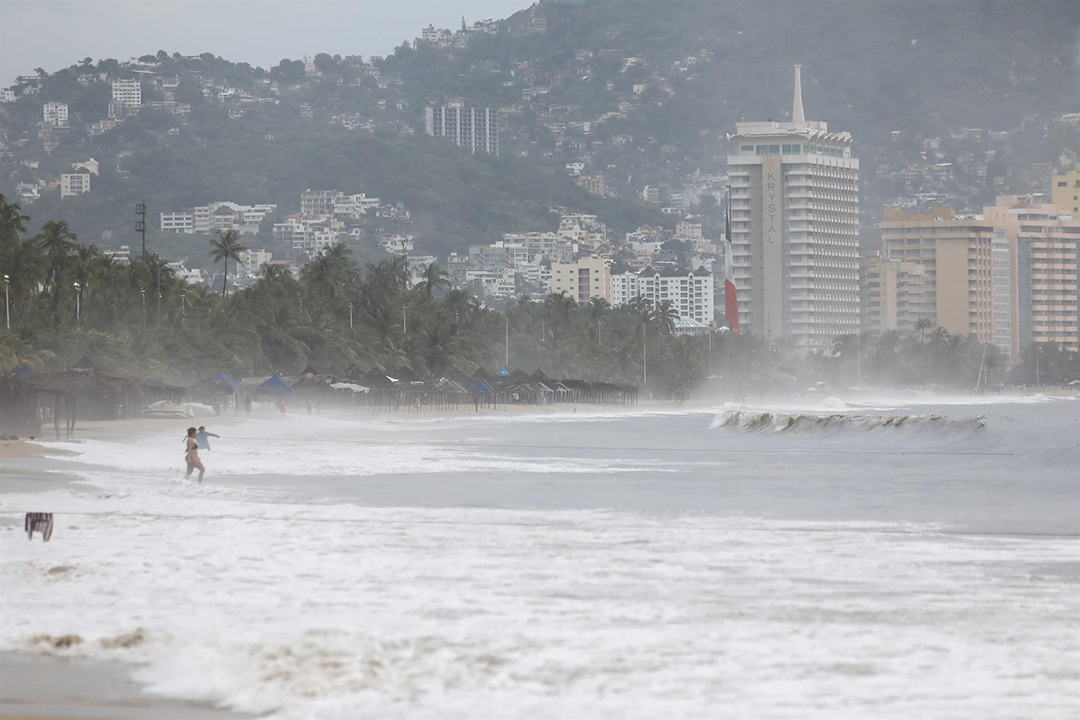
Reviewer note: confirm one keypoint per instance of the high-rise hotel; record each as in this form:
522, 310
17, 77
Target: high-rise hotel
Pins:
474, 128
795, 228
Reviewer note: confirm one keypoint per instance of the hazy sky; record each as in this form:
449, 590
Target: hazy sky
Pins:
53, 34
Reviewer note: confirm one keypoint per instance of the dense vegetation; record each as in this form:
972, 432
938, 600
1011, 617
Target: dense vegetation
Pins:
68, 300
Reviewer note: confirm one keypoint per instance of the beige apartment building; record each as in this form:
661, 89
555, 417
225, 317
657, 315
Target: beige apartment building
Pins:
1065, 192
1044, 244
897, 294
953, 289
582, 279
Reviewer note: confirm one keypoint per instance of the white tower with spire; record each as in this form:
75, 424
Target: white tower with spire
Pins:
798, 117
795, 228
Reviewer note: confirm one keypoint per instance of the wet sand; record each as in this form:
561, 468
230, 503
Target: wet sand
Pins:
35, 686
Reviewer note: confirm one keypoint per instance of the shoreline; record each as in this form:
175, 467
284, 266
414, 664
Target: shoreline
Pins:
50, 686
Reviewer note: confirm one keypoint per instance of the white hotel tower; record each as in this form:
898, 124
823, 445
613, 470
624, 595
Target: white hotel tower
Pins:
795, 229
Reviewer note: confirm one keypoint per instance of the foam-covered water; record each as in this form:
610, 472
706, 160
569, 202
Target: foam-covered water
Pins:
615, 564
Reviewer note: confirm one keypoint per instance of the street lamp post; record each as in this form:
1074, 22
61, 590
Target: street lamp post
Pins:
159, 306
350, 316
506, 356
543, 331
7, 304
142, 292
78, 304
1038, 352
710, 348
404, 320
183, 308
858, 357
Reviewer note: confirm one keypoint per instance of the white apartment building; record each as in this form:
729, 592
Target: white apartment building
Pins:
7, 95
624, 285
127, 92
178, 222
55, 113
795, 228
499, 284
122, 256
472, 128
686, 230
689, 291
352, 207
318, 203
253, 260
185, 274
292, 233
544, 245
74, 184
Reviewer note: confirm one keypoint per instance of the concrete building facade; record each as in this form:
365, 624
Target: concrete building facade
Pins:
127, 92
55, 113
473, 128
1044, 244
897, 294
75, 183
583, 280
795, 228
689, 291
956, 255
1065, 192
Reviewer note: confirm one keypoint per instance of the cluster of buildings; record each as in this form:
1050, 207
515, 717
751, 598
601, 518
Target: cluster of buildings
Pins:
215, 217
327, 217
1008, 276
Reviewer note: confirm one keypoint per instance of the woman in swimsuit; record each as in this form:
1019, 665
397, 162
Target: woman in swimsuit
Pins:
191, 454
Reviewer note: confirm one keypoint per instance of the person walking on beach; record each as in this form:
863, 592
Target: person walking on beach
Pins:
281, 406
191, 454
247, 405
203, 437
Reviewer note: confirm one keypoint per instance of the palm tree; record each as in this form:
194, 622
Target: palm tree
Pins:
12, 221
227, 247
24, 265
58, 242
921, 327
433, 279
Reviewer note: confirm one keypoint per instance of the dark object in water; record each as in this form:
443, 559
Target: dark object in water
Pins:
39, 522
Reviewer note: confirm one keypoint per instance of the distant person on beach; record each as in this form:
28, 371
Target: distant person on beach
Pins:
247, 404
191, 454
203, 437
281, 406
318, 410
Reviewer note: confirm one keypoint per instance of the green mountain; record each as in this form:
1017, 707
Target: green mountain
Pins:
638, 91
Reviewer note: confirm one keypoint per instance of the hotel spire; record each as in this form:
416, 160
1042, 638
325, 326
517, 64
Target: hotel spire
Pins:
798, 117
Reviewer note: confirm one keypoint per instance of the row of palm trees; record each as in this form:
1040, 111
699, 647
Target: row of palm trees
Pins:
67, 299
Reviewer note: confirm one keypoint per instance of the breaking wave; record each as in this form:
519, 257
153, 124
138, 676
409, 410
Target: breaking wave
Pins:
756, 421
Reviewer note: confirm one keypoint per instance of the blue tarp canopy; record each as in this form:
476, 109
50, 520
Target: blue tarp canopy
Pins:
222, 377
274, 386
481, 386
502, 373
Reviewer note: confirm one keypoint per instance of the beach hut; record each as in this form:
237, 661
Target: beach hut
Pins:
274, 385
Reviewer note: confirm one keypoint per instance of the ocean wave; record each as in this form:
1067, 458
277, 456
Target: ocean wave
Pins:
755, 421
